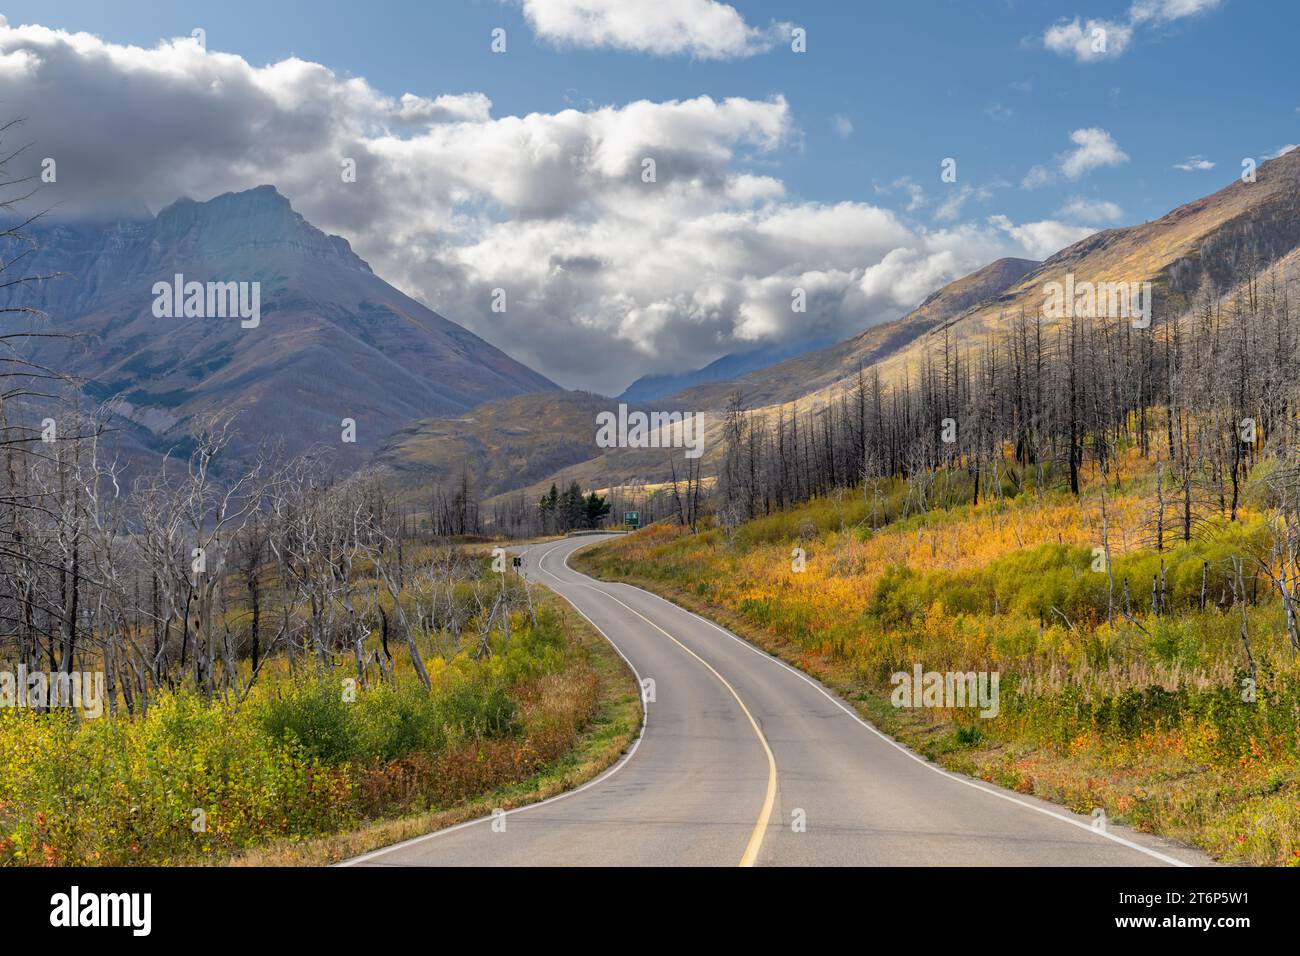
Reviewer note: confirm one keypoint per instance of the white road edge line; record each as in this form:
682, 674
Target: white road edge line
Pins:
631, 751
755, 844
1173, 861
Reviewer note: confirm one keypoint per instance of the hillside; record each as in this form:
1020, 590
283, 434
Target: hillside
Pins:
792, 379
552, 438
1228, 236
1142, 718
334, 341
499, 445
648, 388
1224, 238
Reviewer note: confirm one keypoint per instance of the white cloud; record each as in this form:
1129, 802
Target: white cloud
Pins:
959, 195
1042, 239
473, 107
1194, 164
915, 194
1094, 148
1095, 211
451, 201
1036, 177
1283, 151
704, 29
1090, 41
1095, 40
909, 275
842, 125
1163, 11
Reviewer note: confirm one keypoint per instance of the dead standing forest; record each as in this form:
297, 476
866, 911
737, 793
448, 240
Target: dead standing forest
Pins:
1207, 395
197, 576
198, 573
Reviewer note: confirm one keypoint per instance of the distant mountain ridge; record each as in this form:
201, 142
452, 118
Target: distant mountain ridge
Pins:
498, 446
560, 430
650, 387
1225, 239
334, 341
789, 380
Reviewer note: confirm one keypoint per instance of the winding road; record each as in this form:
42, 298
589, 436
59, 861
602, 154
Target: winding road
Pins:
744, 760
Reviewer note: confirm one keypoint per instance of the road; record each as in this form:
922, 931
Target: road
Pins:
746, 761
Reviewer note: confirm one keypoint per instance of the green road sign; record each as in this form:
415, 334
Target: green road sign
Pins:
632, 519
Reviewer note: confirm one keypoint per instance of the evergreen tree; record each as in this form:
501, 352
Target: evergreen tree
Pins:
596, 508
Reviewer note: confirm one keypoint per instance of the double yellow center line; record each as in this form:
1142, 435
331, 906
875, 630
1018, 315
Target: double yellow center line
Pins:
769, 800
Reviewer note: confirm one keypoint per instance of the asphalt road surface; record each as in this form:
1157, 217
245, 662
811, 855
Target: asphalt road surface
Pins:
746, 761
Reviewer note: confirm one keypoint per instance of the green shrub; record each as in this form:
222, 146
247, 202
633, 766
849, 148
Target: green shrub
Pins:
393, 722
313, 717
475, 707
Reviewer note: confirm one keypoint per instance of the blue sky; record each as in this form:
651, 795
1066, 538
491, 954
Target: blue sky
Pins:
918, 81
883, 94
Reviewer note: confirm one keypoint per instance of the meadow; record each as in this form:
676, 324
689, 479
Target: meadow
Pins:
1156, 685
311, 754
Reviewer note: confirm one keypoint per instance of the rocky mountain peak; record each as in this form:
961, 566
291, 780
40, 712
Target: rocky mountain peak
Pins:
257, 220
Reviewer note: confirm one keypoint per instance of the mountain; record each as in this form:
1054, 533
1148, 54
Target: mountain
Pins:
530, 441
647, 388
499, 446
334, 340
1225, 239
1221, 239
789, 380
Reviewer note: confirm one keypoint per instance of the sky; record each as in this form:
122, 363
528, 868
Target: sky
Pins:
523, 169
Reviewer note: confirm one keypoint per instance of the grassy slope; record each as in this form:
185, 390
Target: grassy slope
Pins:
1189, 239
504, 444
1149, 726
611, 729
394, 764
796, 377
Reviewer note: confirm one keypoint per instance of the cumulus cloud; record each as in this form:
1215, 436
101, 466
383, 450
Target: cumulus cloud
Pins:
1042, 239
959, 195
421, 109
1088, 41
1094, 147
1194, 164
1036, 177
1162, 11
1093, 40
704, 29
451, 201
842, 125
1091, 210
915, 194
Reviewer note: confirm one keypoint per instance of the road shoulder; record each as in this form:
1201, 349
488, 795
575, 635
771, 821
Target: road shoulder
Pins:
916, 737
607, 736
